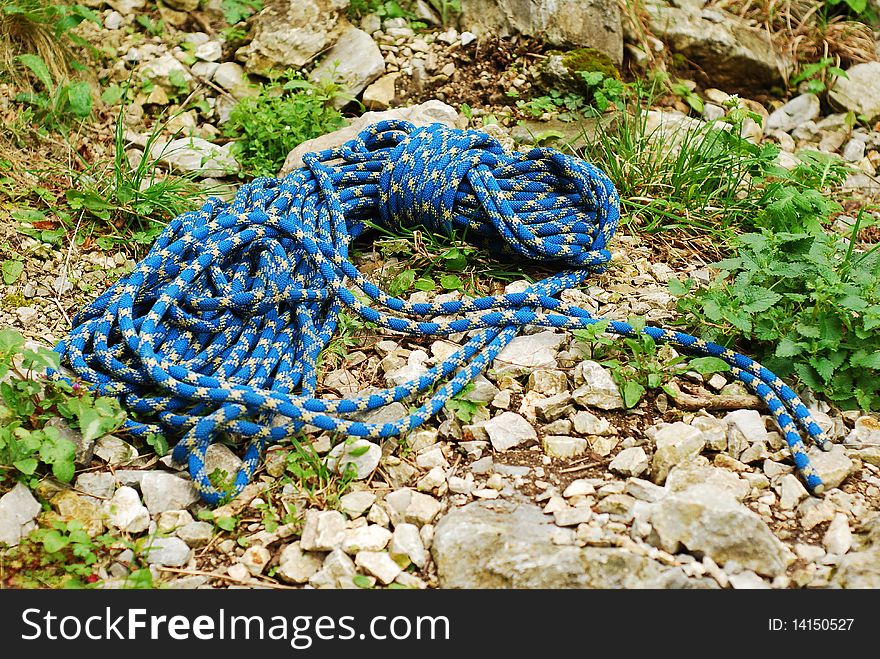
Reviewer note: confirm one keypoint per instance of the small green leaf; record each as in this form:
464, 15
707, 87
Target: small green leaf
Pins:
362, 581
38, 68
632, 393
12, 271
708, 365
227, 523
451, 282
27, 466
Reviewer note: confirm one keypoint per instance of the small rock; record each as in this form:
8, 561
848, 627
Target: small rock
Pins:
353, 63
255, 559
559, 446
579, 488
676, 443
220, 457
169, 552
196, 534
379, 564
747, 580
527, 353
866, 432
355, 504
163, 491
210, 51
508, 430
797, 111
126, 512
587, 423
859, 91
297, 566
366, 538
833, 466
572, 516
238, 572
323, 530
599, 389
710, 520
114, 451
407, 547
791, 492
630, 462
380, 94
18, 509
337, 572
349, 455
838, 537
196, 155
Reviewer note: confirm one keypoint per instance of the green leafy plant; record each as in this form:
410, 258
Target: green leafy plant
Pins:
29, 399
130, 201
464, 408
683, 91
44, 30
357, 9
62, 555
284, 114
819, 76
806, 301
58, 104
641, 364
235, 11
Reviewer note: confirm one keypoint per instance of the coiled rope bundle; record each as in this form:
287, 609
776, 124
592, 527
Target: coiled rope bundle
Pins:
217, 331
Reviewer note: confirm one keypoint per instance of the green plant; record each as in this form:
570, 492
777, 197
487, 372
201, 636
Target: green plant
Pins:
601, 92
284, 114
153, 26
41, 29
131, 201
62, 555
59, 103
807, 301
357, 9
448, 9
640, 364
819, 76
235, 11
29, 400
464, 408
683, 91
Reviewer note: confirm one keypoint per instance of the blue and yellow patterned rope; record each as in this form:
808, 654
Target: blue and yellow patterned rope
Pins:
217, 331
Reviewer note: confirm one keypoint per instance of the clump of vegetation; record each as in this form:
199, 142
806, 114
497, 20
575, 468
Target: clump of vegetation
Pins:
285, 114
41, 29
639, 364
59, 102
806, 300
29, 400
131, 201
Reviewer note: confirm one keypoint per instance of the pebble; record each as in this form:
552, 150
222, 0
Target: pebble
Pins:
323, 530
360, 455
169, 552
296, 565
379, 564
407, 546
255, 559
838, 537
630, 462
163, 491
560, 446
366, 538
126, 512
509, 430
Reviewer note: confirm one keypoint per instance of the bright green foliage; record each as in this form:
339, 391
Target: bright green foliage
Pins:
463, 408
282, 116
130, 200
807, 301
638, 363
62, 556
448, 9
357, 9
820, 75
235, 11
28, 400
57, 104
602, 92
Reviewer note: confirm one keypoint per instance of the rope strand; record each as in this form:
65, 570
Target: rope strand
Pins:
217, 331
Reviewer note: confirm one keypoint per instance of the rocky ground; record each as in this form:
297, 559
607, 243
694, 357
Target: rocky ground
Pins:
550, 482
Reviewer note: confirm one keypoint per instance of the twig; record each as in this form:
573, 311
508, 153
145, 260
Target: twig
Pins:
693, 403
224, 577
591, 465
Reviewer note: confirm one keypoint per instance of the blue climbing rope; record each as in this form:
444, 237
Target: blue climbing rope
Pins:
216, 333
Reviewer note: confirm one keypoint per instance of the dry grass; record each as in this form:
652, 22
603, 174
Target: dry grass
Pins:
800, 28
29, 26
